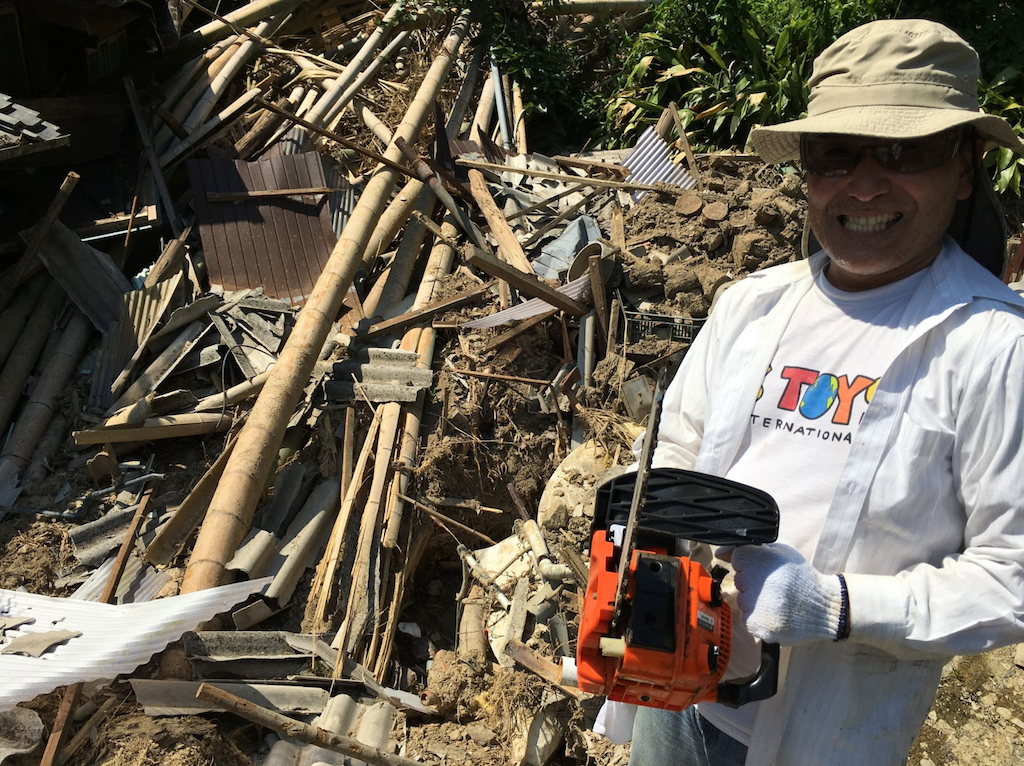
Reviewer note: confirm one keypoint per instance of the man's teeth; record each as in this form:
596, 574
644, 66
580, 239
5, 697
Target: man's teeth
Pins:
869, 223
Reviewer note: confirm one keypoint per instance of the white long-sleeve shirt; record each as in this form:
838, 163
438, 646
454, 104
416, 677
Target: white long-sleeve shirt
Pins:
927, 522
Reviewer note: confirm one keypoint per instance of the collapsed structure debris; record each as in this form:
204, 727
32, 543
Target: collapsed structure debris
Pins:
352, 354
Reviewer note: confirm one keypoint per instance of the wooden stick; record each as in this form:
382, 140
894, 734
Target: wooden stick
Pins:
151, 156
569, 211
335, 137
496, 376
427, 312
438, 516
565, 177
83, 734
527, 283
38, 235
303, 732
242, 196
522, 327
547, 202
588, 165
686, 147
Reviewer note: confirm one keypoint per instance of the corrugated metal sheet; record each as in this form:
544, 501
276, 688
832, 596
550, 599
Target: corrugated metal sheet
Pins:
23, 131
278, 243
140, 312
113, 640
650, 162
343, 202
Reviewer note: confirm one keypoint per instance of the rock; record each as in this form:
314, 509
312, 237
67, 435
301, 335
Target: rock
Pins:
1005, 713
481, 734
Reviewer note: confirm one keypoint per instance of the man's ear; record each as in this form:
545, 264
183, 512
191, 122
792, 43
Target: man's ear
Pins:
969, 165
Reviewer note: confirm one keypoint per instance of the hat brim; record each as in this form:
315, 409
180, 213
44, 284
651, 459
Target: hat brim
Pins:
781, 143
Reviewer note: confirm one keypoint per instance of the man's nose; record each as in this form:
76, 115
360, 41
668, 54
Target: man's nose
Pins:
868, 178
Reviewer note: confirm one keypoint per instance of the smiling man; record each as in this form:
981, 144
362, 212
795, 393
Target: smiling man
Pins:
876, 390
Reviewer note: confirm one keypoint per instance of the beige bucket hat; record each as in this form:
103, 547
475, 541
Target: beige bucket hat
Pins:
901, 78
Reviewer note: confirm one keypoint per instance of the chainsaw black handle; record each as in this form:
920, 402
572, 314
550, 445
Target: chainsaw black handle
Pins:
760, 687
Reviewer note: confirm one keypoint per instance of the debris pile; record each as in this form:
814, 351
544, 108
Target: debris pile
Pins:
350, 361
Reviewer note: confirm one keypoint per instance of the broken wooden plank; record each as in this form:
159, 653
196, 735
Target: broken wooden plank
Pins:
564, 177
516, 331
548, 671
526, 283
509, 249
590, 165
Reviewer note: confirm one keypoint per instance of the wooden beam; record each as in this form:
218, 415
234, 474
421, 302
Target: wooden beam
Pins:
527, 283
589, 165
516, 331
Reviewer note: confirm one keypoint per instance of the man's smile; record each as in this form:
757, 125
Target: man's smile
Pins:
869, 223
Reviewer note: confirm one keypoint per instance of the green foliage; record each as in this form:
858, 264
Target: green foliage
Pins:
997, 98
728, 64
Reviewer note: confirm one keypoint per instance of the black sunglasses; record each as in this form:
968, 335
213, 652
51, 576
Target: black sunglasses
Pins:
831, 155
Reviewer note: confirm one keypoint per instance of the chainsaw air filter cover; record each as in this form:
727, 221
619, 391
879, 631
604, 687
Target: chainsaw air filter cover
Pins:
692, 506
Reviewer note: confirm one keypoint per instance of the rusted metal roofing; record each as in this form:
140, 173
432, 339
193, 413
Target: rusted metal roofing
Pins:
278, 243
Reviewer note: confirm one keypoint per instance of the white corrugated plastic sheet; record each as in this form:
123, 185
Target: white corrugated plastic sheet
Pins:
650, 162
115, 639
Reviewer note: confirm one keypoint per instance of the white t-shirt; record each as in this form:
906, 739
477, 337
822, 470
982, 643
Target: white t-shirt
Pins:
811, 401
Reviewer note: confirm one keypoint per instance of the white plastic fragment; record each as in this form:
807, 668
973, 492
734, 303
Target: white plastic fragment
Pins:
114, 639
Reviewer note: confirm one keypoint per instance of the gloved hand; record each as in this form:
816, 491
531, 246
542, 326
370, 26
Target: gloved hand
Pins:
784, 600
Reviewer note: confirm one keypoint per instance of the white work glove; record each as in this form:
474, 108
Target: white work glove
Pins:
784, 600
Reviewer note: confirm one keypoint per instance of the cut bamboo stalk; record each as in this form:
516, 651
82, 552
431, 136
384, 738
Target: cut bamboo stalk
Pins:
374, 124
244, 17
37, 412
14, 319
371, 74
23, 357
247, 50
519, 117
233, 395
324, 582
170, 259
221, 121
322, 110
181, 108
152, 429
392, 220
234, 502
484, 109
509, 249
564, 177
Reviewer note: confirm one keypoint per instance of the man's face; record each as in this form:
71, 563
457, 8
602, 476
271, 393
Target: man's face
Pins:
879, 225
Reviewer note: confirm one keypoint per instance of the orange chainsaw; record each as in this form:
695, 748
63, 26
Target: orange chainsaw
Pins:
654, 629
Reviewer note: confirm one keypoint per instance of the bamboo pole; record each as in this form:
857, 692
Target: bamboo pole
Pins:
324, 109
484, 108
180, 109
242, 17
17, 315
36, 414
234, 502
518, 117
247, 50
216, 124
38, 468
25, 354
375, 124
166, 427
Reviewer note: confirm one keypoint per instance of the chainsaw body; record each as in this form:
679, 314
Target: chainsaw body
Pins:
670, 644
